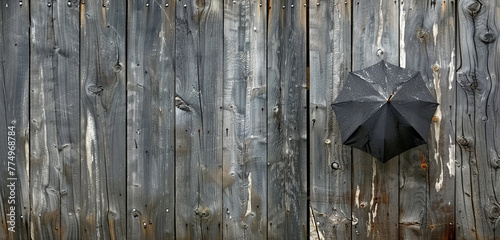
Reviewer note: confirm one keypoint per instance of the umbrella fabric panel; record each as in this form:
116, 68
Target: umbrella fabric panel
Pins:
416, 104
413, 90
359, 95
358, 89
385, 134
351, 115
418, 114
385, 77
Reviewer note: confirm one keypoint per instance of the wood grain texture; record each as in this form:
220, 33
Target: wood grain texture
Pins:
244, 124
150, 125
466, 180
375, 185
437, 34
208, 119
414, 166
477, 121
54, 125
198, 129
428, 47
287, 120
14, 112
102, 121
330, 162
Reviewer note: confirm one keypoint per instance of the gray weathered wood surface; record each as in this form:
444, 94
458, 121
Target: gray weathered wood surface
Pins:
375, 207
178, 119
102, 120
150, 120
54, 120
244, 133
330, 168
14, 112
198, 119
286, 120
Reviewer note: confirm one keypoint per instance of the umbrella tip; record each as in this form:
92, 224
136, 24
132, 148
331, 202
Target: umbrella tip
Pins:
390, 97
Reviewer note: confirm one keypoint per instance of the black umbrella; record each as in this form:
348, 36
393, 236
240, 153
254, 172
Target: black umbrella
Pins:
384, 110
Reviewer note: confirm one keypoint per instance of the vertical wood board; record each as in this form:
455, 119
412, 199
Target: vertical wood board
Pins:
244, 124
287, 124
330, 161
199, 78
375, 184
14, 131
102, 121
150, 126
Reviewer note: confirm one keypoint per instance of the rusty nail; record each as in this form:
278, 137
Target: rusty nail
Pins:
424, 165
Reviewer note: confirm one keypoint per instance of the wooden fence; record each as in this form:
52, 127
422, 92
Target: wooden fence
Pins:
210, 119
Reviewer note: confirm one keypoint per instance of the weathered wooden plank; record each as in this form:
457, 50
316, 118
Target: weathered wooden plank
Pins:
150, 125
477, 123
429, 47
375, 185
287, 120
102, 121
466, 167
199, 77
414, 173
244, 123
54, 126
330, 162
437, 35
14, 109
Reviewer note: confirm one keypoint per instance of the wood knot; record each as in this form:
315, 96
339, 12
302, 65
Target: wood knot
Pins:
467, 81
493, 211
463, 142
95, 89
472, 7
495, 163
112, 215
117, 67
203, 212
422, 34
181, 104
487, 37
135, 213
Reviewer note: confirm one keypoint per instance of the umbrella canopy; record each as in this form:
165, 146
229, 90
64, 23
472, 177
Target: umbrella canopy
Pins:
384, 110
